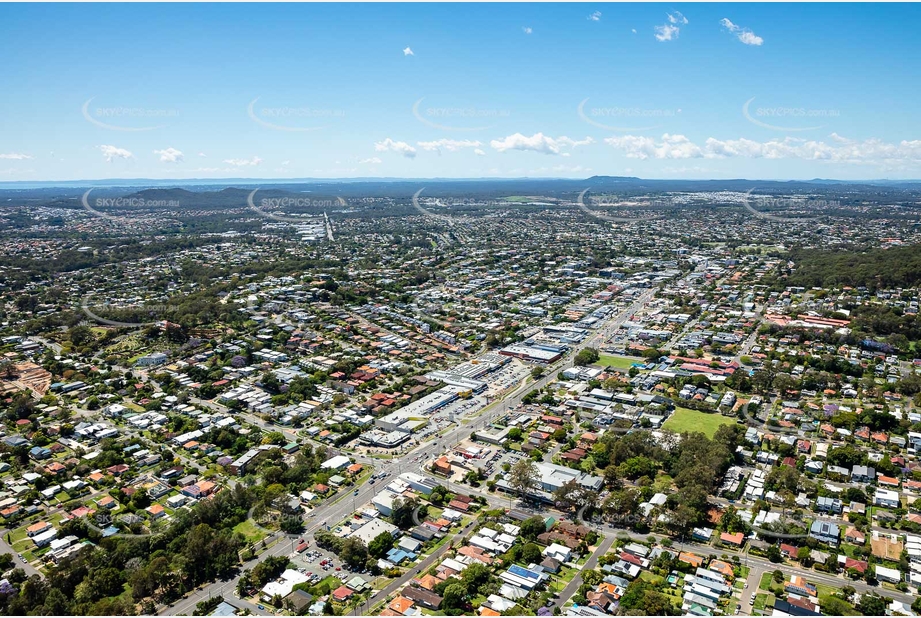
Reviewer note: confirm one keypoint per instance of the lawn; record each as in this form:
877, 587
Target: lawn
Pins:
766, 581
324, 586
684, 419
618, 362
250, 531
651, 577
763, 600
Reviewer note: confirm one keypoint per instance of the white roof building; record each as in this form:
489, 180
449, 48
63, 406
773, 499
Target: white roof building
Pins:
336, 463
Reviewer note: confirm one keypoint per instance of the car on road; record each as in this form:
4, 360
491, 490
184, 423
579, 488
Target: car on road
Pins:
356, 492
260, 607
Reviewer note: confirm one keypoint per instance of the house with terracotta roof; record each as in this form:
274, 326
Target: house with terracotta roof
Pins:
11, 511
442, 466
855, 536
850, 563
156, 511
401, 605
475, 553
889, 481
38, 528
736, 540
721, 567
692, 559
427, 581
343, 593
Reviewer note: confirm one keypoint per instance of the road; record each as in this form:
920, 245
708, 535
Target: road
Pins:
573, 586
5, 548
227, 589
423, 566
754, 578
342, 506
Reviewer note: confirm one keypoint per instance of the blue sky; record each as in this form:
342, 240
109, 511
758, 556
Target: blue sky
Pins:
506, 90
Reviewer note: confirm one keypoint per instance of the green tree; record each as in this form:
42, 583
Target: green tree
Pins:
523, 476
586, 356
454, 596
381, 544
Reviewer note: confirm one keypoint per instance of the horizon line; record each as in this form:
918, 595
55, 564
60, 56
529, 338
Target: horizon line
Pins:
369, 179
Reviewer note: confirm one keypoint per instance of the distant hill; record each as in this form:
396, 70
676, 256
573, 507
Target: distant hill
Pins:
224, 192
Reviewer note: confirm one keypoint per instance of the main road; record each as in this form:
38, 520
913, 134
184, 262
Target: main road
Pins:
342, 505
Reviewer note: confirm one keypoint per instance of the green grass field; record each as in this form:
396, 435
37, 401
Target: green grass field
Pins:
250, 531
763, 601
684, 419
618, 362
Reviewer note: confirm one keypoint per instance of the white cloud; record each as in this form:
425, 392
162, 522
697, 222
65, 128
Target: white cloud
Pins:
450, 145
17, 156
109, 153
170, 155
633, 30
243, 162
677, 18
371, 161
408, 52
388, 145
201, 154
671, 30
595, 16
842, 150
285, 163
641, 147
479, 153
743, 34
666, 32
750, 38
537, 143
572, 143
527, 29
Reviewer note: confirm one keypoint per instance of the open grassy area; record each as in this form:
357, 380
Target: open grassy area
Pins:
684, 419
766, 581
651, 577
618, 362
763, 600
250, 531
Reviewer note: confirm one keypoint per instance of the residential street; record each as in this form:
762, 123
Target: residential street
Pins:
573, 586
